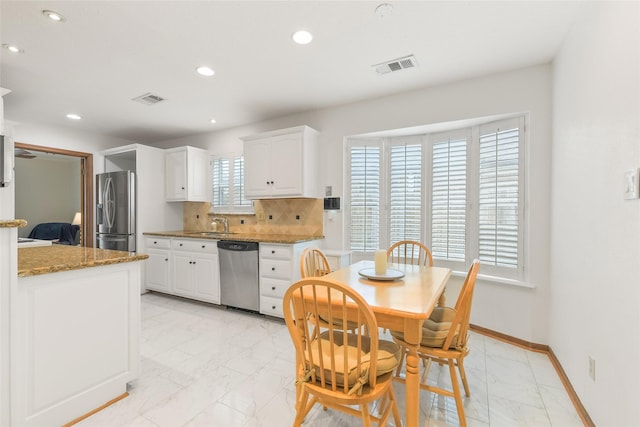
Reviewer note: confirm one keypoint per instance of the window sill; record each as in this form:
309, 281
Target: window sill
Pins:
495, 279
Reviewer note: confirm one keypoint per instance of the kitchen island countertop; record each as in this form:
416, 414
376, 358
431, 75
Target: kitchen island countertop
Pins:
54, 258
241, 237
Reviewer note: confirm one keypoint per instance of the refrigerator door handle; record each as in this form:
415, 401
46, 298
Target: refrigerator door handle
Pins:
99, 214
109, 202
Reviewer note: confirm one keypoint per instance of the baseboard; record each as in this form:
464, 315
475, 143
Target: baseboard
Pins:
100, 408
542, 348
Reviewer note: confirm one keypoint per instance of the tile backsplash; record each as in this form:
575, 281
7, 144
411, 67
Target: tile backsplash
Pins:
273, 216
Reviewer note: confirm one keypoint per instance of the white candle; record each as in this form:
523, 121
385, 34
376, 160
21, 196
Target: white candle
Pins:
381, 261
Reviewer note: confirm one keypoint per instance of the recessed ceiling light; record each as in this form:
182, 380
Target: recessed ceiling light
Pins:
302, 37
212, 120
54, 16
383, 10
12, 48
73, 116
205, 71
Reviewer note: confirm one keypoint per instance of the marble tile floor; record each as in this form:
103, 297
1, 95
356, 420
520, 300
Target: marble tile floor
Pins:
203, 365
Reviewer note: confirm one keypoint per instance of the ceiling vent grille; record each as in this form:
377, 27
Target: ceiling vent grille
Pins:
148, 99
396, 65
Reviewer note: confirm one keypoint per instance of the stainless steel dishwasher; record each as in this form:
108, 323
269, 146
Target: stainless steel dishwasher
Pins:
239, 286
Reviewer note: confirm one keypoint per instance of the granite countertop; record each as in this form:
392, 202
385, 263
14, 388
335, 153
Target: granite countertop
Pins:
241, 237
54, 258
13, 223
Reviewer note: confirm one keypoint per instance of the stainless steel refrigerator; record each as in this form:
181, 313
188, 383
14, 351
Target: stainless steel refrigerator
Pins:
116, 211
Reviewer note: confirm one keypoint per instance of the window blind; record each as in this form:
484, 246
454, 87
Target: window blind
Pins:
449, 199
365, 198
238, 183
499, 197
405, 193
220, 182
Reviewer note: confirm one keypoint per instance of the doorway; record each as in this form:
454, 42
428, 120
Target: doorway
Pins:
86, 186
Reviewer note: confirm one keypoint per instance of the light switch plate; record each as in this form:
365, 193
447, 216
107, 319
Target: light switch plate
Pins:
631, 184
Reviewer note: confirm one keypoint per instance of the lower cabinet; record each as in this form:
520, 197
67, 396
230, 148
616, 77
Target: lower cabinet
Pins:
279, 269
188, 268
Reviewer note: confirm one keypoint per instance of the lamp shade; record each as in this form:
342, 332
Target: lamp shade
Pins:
77, 219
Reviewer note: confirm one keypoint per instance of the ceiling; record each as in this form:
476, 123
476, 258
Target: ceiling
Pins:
107, 52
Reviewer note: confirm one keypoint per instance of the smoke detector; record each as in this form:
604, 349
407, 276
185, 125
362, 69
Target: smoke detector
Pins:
396, 64
148, 99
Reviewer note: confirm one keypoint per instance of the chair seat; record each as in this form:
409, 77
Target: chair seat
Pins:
389, 354
435, 329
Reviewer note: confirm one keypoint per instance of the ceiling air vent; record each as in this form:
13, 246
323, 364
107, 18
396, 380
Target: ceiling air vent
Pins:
396, 64
148, 99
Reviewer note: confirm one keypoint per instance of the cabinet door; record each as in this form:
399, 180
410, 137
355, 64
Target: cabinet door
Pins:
257, 169
207, 278
176, 175
157, 271
286, 169
198, 186
182, 274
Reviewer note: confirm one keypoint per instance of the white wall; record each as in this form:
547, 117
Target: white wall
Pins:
520, 312
595, 243
47, 190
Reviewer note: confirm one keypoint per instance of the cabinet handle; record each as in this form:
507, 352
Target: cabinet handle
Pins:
267, 182
203, 246
166, 259
155, 242
180, 244
182, 188
273, 269
273, 252
272, 182
273, 288
273, 307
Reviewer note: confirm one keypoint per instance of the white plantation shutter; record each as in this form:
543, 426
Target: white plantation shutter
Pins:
365, 198
228, 184
238, 183
220, 182
405, 207
449, 199
500, 195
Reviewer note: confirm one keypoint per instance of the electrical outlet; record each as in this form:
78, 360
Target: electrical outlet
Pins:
592, 368
631, 188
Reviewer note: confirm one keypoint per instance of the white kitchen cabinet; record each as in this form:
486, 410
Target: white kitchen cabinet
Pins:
186, 175
195, 270
337, 258
279, 269
281, 163
157, 265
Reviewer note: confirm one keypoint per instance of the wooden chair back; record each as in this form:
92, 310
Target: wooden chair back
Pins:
313, 263
318, 356
410, 252
460, 323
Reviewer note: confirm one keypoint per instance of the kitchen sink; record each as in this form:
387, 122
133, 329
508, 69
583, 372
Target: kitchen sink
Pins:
209, 233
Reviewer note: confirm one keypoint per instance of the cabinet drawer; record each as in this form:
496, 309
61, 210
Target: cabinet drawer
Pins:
276, 269
276, 252
157, 243
273, 287
271, 306
193, 245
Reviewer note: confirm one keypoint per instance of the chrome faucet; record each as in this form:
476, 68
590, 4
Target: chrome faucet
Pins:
222, 220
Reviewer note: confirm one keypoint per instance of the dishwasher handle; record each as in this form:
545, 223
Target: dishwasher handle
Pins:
230, 245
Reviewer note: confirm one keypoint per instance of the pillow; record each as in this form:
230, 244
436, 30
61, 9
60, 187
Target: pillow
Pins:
388, 357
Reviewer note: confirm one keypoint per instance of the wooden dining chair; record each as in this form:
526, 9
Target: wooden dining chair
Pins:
313, 263
410, 252
445, 336
336, 368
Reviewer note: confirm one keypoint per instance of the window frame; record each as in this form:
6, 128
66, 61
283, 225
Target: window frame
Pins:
472, 132
231, 207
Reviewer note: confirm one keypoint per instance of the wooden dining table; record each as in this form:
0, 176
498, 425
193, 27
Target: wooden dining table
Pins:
400, 305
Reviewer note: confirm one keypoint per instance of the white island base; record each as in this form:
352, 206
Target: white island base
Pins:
74, 342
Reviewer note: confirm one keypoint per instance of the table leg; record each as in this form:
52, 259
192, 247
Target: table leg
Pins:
413, 335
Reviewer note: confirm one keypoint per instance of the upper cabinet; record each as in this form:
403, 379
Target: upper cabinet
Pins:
281, 164
186, 175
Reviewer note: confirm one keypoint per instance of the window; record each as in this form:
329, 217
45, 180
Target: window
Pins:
468, 181
228, 185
